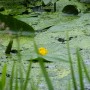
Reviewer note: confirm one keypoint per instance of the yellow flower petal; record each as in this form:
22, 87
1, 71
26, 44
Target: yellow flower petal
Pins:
43, 51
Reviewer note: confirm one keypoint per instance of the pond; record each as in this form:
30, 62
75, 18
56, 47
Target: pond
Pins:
50, 32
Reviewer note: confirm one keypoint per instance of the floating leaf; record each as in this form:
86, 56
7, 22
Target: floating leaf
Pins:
16, 26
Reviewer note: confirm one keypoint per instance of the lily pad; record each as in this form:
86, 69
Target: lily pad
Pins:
16, 26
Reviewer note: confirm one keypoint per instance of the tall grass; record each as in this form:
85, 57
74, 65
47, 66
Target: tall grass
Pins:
80, 66
3, 77
43, 69
80, 69
27, 76
45, 73
12, 76
16, 81
71, 64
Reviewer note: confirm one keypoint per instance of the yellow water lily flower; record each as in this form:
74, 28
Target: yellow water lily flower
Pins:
43, 51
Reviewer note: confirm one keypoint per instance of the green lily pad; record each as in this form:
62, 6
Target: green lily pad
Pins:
16, 26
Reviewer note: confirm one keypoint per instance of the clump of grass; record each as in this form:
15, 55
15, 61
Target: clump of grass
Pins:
80, 66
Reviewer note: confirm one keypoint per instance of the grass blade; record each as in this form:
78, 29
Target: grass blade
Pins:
42, 66
27, 75
21, 77
12, 76
35, 46
45, 73
3, 77
86, 72
80, 69
20, 64
85, 69
69, 86
0, 84
71, 64
16, 82
33, 86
